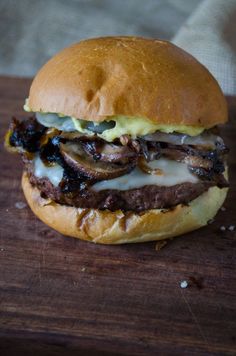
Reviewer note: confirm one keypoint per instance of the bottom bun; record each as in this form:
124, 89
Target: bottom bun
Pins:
107, 227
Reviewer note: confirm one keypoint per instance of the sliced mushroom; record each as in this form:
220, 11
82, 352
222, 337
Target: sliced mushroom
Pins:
188, 158
200, 162
101, 150
80, 161
110, 152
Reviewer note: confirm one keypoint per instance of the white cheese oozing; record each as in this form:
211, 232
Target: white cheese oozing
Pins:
53, 173
173, 173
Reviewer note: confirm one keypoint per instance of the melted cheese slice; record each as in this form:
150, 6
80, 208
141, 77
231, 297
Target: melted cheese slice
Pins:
172, 173
53, 173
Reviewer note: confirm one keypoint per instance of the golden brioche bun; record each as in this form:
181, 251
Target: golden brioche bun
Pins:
130, 76
117, 227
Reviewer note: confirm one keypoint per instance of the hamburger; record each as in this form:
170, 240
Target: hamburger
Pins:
122, 144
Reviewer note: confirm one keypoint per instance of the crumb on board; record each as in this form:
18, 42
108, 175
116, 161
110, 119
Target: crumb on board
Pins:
83, 269
229, 228
160, 244
1, 249
222, 208
183, 284
20, 205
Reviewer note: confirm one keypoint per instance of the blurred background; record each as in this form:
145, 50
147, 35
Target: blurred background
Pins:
31, 31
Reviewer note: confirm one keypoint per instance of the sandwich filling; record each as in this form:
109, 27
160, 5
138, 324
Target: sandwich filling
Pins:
106, 166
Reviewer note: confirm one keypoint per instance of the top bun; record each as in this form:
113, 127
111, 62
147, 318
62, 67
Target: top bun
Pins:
131, 76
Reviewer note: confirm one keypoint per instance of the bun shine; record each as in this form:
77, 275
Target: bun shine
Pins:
131, 76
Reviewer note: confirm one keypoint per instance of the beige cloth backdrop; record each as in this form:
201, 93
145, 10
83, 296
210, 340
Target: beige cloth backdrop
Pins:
31, 31
210, 35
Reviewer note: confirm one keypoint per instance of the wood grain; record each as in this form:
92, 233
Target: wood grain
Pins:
63, 296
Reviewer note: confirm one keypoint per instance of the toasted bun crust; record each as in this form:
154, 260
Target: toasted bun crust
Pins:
117, 227
129, 76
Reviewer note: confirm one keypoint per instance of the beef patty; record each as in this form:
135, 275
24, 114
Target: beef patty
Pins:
139, 199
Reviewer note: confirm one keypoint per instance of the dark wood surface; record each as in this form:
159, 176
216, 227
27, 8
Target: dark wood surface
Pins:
63, 296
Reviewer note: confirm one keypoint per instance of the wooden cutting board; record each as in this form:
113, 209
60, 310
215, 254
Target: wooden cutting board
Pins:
63, 296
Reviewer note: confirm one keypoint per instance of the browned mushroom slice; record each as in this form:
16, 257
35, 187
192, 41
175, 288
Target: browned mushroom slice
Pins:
96, 147
189, 159
77, 159
195, 161
115, 153
110, 152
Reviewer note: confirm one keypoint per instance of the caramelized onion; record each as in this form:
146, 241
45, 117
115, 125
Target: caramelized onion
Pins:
50, 133
9, 147
147, 169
